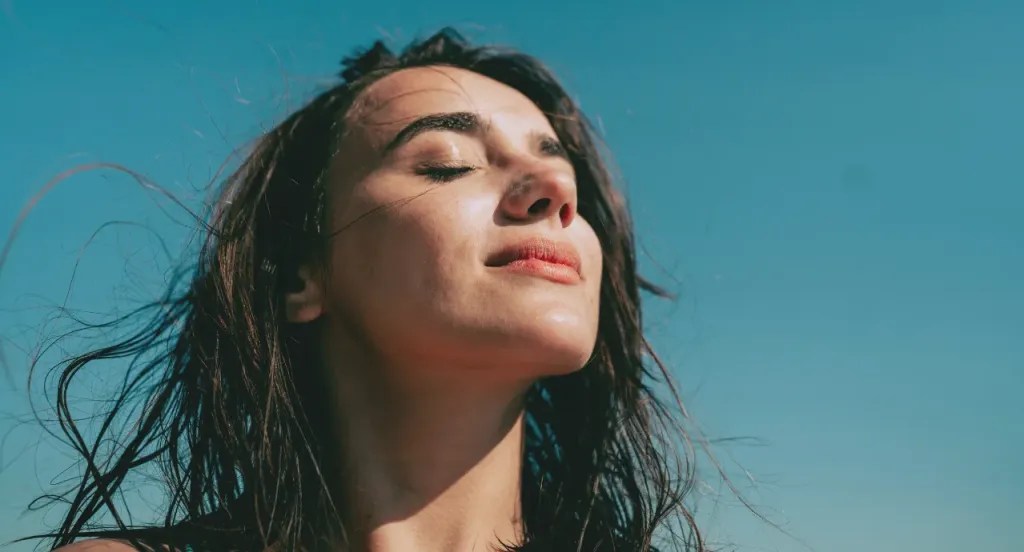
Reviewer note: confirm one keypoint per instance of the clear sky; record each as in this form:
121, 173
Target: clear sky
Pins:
833, 188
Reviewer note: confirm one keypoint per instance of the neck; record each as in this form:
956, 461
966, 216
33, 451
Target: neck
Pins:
431, 467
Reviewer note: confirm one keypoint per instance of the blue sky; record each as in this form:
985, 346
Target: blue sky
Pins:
833, 188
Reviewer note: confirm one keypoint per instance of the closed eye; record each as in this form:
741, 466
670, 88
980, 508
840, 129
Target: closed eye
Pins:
551, 146
444, 172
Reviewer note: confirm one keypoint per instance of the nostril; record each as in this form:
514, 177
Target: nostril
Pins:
539, 206
565, 212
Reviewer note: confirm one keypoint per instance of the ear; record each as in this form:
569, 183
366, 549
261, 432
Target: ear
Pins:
304, 300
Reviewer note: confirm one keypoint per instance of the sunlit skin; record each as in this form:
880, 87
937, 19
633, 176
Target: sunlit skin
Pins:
433, 350
429, 351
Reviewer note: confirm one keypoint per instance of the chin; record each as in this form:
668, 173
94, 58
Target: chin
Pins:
557, 350
564, 368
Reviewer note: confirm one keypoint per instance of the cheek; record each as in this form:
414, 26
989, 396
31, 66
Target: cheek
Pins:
404, 263
384, 253
595, 267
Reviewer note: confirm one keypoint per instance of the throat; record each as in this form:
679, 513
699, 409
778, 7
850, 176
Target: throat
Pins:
436, 475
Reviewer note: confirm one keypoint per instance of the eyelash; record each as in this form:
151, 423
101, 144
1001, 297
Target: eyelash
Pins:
447, 172
552, 147
444, 172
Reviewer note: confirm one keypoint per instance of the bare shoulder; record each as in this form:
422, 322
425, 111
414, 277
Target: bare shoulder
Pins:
98, 545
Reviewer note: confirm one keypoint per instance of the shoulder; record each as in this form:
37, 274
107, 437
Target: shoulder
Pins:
99, 545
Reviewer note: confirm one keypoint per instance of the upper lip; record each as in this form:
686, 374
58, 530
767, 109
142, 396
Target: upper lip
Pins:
537, 248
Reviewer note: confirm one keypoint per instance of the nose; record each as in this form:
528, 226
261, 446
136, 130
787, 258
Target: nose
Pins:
541, 193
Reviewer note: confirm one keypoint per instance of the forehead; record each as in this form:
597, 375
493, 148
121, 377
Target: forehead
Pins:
406, 95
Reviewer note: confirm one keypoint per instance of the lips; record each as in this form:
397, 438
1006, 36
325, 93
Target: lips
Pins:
541, 249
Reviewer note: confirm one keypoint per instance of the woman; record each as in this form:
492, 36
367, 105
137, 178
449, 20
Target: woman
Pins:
414, 325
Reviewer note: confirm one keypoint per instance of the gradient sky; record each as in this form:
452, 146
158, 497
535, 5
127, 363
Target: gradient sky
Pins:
833, 188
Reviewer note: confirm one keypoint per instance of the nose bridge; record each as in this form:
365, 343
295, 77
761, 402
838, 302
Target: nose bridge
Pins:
541, 189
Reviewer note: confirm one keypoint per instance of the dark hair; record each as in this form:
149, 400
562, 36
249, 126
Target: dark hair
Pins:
240, 435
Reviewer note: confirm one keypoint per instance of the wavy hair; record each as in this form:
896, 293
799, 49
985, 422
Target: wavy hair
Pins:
242, 438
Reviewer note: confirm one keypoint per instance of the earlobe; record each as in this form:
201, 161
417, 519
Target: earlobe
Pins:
304, 301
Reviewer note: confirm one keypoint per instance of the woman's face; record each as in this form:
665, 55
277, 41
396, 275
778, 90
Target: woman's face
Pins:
441, 178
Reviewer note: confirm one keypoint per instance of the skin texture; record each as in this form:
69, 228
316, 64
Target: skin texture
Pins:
99, 545
429, 352
411, 279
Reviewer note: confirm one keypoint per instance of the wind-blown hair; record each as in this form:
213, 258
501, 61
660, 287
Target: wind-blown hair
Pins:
243, 438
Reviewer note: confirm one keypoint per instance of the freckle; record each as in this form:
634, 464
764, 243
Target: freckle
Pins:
518, 187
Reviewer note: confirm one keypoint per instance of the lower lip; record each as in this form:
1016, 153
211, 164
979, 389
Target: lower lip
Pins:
560, 273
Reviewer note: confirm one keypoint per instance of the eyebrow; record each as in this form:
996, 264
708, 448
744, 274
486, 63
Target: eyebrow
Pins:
463, 122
